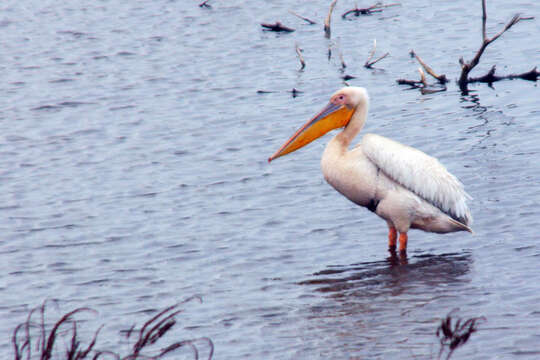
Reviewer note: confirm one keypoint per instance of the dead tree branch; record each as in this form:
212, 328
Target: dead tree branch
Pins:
415, 84
422, 84
466, 67
327, 31
277, 27
300, 57
440, 78
412, 83
368, 64
490, 77
378, 7
311, 22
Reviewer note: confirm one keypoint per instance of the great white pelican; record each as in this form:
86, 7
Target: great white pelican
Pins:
402, 185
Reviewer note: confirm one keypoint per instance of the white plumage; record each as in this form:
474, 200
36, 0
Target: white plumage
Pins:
402, 185
420, 173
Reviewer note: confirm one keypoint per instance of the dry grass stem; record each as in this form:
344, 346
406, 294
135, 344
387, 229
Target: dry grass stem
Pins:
65, 331
454, 334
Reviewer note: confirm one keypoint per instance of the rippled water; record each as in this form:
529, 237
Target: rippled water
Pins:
133, 169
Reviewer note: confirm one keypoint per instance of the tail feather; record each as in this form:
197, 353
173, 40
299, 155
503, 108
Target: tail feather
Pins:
461, 226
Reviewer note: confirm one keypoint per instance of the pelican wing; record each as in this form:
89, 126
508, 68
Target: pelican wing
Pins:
420, 173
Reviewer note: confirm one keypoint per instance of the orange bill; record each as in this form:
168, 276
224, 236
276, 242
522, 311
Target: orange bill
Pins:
333, 116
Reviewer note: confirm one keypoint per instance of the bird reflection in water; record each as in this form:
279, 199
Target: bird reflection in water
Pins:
393, 275
388, 308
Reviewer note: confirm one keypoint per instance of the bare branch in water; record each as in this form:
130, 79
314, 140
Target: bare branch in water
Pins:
422, 77
368, 64
490, 77
440, 78
327, 31
311, 22
378, 7
412, 83
300, 57
277, 27
466, 67
422, 84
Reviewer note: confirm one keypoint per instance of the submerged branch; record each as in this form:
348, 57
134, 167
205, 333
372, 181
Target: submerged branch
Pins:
378, 7
422, 84
490, 77
277, 27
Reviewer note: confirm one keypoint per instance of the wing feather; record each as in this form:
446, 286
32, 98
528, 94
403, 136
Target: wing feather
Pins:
420, 173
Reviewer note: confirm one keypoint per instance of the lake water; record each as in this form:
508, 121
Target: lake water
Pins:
134, 174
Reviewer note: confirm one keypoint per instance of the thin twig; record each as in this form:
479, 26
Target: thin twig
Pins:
327, 31
422, 77
369, 64
441, 78
378, 7
300, 57
311, 22
484, 20
372, 52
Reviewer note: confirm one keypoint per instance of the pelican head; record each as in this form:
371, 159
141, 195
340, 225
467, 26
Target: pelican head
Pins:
336, 114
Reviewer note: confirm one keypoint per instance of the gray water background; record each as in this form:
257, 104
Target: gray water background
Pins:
133, 147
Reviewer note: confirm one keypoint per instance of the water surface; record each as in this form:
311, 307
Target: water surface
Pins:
133, 169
